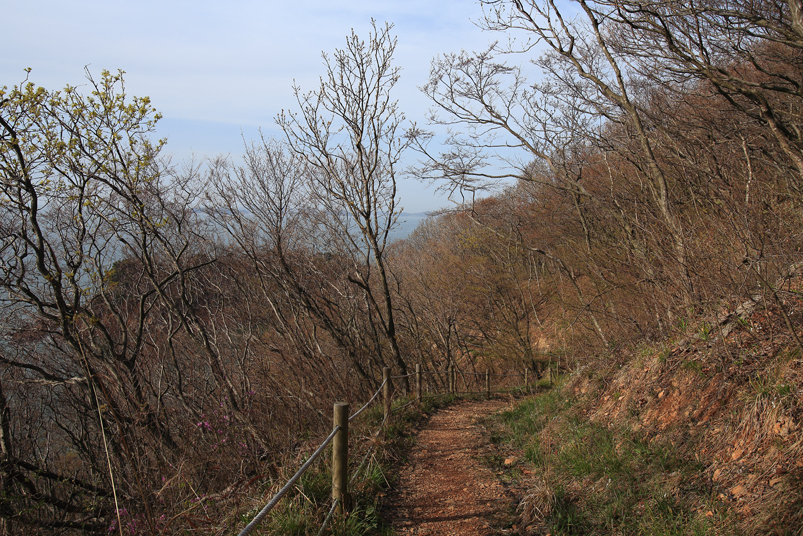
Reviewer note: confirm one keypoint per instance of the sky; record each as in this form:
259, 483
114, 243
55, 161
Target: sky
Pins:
219, 71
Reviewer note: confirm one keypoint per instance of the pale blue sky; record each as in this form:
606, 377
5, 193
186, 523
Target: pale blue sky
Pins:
214, 68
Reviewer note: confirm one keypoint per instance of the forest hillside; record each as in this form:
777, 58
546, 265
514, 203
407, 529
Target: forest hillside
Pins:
629, 175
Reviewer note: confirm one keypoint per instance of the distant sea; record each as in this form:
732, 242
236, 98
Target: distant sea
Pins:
407, 224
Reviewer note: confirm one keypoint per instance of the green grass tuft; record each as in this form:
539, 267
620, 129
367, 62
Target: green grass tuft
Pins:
592, 479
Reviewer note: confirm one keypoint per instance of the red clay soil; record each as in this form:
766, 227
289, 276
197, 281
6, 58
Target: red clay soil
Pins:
445, 488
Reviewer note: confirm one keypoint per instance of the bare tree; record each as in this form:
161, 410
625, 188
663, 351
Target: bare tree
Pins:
348, 132
297, 268
583, 84
748, 51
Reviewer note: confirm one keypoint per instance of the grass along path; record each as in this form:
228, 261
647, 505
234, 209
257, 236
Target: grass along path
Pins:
585, 478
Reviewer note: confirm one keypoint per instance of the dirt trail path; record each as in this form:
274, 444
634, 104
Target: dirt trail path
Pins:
445, 488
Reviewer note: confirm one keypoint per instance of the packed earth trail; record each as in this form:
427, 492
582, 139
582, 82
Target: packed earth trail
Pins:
445, 488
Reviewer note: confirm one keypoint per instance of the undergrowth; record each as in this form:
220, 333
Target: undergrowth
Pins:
586, 478
372, 456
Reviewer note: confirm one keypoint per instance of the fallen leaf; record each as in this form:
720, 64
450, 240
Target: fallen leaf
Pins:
738, 490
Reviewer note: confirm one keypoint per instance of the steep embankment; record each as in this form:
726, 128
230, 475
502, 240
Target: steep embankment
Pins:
730, 398
734, 402
699, 436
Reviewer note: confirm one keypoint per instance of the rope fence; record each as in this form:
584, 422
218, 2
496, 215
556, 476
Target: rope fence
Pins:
339, 435
403, 376
290, 483
410, 403
329, 516
433, 373
376, 394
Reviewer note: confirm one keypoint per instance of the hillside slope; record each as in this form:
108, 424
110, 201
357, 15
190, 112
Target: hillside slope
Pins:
700, 436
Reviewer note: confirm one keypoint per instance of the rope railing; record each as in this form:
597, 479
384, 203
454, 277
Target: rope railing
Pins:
376, 394
359, 468
329, 516
290, 483
340, 480
410, 403
434, 372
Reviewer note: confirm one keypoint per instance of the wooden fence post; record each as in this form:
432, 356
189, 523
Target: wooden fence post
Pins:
340, 454
488, 384
386, 390
418, 383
